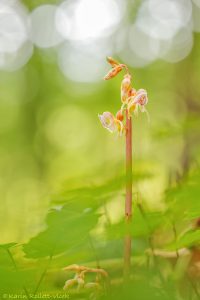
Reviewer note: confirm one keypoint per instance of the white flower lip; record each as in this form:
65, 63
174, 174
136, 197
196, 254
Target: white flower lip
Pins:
112, 124
108, 121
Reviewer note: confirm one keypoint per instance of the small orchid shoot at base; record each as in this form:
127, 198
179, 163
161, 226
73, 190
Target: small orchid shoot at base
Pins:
132, 101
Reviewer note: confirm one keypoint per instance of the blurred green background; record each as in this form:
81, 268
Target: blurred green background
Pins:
51, 91
52, 61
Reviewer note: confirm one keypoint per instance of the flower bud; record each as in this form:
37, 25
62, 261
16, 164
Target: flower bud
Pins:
111, 61
132, 92
113, 72
125, 88
119, 115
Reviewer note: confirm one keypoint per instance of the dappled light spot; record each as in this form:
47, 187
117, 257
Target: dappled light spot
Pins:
181, 46
28, 191
16, 60
43, 32
15, 50
83, 62
136, 48
162, 19
13, 27
162, 30
142, 45
86, 19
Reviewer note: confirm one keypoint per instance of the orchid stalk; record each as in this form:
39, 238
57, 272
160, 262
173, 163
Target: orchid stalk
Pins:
132, 101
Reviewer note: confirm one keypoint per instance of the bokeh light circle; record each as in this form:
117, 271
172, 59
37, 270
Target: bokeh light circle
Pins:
43, 31
15, 61
84, 61
162, 19
13, 29
143, 45
181, 46
196, 2
86, 19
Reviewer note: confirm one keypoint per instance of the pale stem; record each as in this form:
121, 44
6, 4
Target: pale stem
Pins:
128, 201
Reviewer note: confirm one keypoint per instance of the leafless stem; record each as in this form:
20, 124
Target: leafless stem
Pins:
128, 201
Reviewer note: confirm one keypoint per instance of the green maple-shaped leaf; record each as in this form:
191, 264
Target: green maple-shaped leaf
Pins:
65, 228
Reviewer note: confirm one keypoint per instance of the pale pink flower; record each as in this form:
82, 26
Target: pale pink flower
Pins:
111, 123
108, 121
141, 97
138, 101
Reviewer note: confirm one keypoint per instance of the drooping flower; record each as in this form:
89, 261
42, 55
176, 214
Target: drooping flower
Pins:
131, 99
111, 123
116, 68
113, 72
78, 282
108, 121
138, 101
125, 88
141, 97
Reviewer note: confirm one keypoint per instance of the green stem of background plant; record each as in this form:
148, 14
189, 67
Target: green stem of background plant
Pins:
42, 275
16, 269
128, 201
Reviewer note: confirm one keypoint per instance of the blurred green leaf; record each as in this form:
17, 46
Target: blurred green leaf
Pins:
143, 223
184, 199
92, 195
187, 240
8, 246
145, 286
65, 228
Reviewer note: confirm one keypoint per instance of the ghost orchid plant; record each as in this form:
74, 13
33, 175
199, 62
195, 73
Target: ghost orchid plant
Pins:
132, 101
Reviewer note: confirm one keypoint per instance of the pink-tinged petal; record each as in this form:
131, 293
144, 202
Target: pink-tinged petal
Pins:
139, 100
141, 97
108, 121
111, 123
